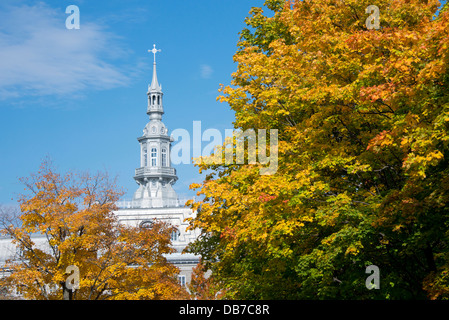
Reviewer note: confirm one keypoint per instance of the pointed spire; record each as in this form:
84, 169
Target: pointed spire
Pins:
154, 83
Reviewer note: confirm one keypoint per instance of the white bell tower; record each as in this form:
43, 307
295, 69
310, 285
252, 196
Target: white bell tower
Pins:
155, 197
155, 176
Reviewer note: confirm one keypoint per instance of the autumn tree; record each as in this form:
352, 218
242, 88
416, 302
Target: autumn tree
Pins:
74, 214
363, 121
202, 286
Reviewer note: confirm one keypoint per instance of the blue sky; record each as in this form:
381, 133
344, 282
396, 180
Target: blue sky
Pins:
79, 96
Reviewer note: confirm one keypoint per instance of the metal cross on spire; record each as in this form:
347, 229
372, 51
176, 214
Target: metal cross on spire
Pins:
154, 51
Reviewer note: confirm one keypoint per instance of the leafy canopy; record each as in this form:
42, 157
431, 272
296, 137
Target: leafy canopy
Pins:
363, 120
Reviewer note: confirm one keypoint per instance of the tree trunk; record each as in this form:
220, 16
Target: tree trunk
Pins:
429, 257
67, 293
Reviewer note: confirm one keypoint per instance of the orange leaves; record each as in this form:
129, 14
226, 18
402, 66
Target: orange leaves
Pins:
266, 197
202, 286
228, 233
73, 214
384, 138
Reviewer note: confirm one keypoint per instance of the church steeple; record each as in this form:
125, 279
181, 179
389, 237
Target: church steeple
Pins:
155, 106
154, 87
155, 176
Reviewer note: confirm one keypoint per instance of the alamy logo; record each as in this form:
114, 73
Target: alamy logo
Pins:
73, 280
73, 20
234, 147
373, 20
373, 281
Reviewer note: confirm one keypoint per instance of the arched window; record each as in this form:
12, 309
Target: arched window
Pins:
158, 100
154, 100
164, 157
153, 157
145, 157
146, 224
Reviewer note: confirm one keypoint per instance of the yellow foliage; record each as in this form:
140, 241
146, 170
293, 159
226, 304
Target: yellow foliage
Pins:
75, 214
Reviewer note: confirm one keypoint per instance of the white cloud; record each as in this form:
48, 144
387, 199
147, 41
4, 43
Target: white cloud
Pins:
39, 56
206, 71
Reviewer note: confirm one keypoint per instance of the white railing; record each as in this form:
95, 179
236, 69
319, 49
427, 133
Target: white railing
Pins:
152, 203
155, 170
